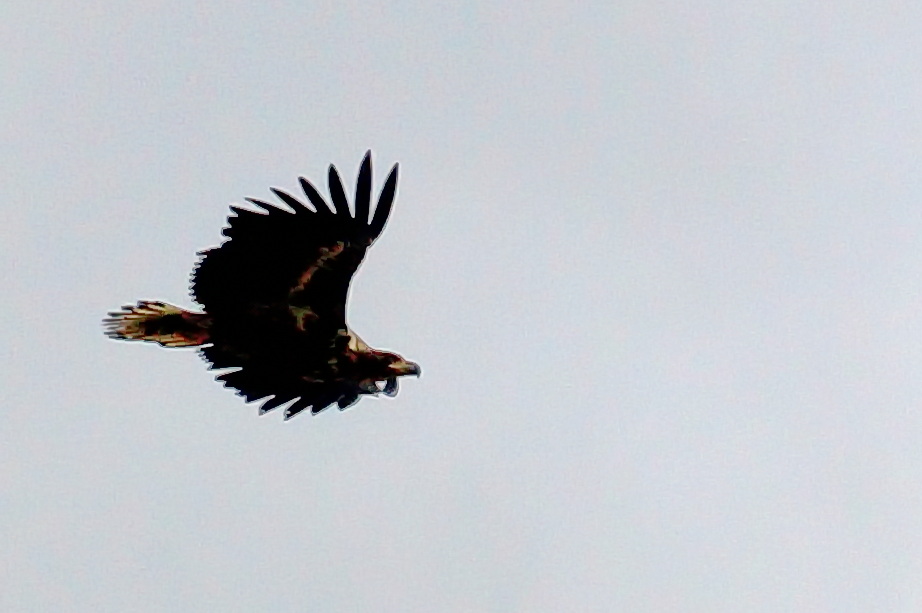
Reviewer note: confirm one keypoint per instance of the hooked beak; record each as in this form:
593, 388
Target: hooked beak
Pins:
406, 368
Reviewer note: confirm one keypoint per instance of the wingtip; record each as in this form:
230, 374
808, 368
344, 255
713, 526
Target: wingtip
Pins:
265, 206
385, 202
296, 205
338, 192
363, 190
393, 175
318, 201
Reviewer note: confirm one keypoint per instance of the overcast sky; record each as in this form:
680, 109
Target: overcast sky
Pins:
659, 262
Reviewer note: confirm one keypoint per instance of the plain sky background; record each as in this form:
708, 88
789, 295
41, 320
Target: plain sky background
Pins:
659, 261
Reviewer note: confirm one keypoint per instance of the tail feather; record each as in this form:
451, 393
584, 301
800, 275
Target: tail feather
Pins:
158, 322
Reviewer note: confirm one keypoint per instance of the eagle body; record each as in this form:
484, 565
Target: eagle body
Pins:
274, 296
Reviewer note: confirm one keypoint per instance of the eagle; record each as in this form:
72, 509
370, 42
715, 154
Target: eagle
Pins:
274, 301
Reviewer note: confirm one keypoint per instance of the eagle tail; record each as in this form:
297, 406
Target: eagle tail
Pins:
158, 322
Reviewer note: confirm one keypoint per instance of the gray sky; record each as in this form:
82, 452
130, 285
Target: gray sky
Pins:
659, 262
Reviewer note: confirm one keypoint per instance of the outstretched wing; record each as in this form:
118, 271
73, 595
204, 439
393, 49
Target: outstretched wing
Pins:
274, 375
304, 258
276, 291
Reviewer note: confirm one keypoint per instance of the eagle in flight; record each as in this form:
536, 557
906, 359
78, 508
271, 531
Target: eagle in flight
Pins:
274, 297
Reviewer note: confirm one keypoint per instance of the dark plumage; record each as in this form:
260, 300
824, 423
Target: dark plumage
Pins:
274, 298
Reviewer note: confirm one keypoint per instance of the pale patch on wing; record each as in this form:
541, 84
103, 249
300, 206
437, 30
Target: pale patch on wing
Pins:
303, 316
356, 343
326, 254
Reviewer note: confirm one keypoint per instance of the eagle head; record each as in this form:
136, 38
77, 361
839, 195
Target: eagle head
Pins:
386, 367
